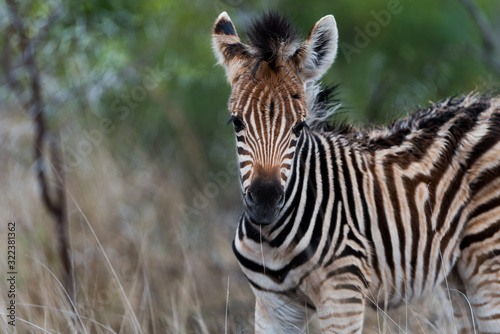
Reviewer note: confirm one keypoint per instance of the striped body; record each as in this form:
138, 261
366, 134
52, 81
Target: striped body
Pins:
338, 219
388, 211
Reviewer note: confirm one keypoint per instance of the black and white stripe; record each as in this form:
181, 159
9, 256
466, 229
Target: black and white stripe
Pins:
389, 212
337, 219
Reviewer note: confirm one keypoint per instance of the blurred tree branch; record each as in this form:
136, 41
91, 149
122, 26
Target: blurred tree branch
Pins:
491, 43
56, 204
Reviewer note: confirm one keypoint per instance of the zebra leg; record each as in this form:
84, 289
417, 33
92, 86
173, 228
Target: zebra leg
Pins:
342, 307
479, 268
279, 314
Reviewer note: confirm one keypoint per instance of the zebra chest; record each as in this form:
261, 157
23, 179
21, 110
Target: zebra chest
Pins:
264, 266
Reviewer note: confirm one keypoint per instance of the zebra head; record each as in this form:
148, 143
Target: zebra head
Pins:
268, 100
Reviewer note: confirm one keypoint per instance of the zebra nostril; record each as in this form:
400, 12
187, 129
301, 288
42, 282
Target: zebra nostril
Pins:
249, 199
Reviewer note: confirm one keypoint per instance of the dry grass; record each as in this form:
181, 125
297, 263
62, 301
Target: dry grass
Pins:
140, 267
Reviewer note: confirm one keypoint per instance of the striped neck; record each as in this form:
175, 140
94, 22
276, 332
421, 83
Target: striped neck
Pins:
315, 188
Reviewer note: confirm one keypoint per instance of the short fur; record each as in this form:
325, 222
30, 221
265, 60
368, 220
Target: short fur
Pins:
338, 219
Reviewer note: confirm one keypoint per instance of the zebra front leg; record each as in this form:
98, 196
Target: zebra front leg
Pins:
277, 314
342, 306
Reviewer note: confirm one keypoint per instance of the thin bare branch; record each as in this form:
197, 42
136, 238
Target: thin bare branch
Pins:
491, 46
56, 204
487, 33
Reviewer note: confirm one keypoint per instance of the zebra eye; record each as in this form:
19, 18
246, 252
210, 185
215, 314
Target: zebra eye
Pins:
237, 123
297, 128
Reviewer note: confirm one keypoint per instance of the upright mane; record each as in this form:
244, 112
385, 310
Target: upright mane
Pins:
271, 37
322, 102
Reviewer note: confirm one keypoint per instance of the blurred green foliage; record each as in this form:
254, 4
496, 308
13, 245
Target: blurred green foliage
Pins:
95, 55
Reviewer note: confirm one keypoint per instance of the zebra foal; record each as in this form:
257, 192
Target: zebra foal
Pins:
338, 219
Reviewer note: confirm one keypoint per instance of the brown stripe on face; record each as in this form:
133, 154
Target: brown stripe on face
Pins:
242, 151
243, 164
270, 102
284, 177
245, 176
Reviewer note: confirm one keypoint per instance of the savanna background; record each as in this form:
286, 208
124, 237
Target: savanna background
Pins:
114, 144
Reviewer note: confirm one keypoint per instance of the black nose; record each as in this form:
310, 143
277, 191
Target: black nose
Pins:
264, 200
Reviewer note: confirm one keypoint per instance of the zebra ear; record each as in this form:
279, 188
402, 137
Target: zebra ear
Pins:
317, 53
228, 49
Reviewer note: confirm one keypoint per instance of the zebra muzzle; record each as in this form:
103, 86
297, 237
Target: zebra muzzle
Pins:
264, 201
